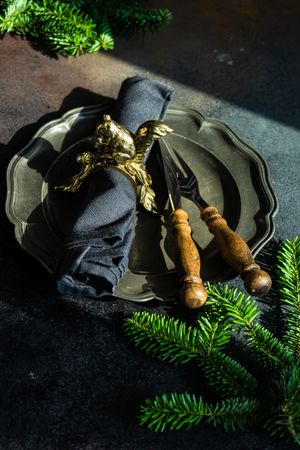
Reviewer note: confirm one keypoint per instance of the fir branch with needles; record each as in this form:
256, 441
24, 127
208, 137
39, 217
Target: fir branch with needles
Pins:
80, 26
243, 312
184, 411
288, 280
244, 398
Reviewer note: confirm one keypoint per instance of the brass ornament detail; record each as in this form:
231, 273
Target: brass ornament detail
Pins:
120, 149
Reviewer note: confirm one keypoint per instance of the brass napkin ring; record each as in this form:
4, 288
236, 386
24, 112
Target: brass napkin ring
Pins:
120, 149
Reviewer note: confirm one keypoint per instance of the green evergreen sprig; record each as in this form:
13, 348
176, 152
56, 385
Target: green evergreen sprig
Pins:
128, 19
164, 337
227, 377
170, 340
184, 411
275, 403
243, 312
285, 419
288, 278
82, 26
16, 17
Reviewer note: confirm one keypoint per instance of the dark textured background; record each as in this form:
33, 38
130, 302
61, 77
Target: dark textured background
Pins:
69, 379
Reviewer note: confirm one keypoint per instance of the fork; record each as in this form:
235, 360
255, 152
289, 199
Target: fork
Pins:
233, 248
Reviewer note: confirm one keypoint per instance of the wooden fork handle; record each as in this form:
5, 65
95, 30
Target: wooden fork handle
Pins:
187, 260
236, 253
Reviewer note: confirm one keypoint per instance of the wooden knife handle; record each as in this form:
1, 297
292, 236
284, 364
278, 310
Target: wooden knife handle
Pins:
187, 260
236, 253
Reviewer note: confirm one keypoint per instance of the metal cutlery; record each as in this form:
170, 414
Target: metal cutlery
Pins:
232, 247
187, 259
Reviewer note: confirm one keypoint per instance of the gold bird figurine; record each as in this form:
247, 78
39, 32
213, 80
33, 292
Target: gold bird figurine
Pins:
118, 148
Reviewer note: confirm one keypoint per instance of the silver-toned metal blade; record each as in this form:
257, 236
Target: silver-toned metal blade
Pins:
188, 183
172, 182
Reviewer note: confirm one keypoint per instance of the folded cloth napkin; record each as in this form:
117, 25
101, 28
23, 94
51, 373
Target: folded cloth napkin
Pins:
98, 244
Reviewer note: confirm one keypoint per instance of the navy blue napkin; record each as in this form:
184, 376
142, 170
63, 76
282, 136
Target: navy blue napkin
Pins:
98, 244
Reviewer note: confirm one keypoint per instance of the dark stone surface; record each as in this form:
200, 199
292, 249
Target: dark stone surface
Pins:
69, 378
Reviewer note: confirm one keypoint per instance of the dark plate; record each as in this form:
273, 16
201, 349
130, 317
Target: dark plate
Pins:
232, 176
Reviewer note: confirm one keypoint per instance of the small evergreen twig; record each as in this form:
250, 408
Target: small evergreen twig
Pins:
16, 17
164, 337
285, 419
288, 279
178, 411
227, 377
244, 313
171, 340
128, 19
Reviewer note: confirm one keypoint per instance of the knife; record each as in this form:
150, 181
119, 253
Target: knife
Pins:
187, 259
233, 248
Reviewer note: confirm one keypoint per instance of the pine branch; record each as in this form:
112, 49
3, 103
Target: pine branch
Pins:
184, 411
127, 19
68, 30
276, 404
235, 306
291, 336
215, 331
103, 23
268, 349
288, 272
222, 373
62, 16
227, 377
97, 11
288, 287
243, 312
285, 420
61, 26
16, 17
78, 26
164, 337
171, 340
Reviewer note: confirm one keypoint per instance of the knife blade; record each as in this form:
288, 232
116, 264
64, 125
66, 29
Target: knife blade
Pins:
187, 259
